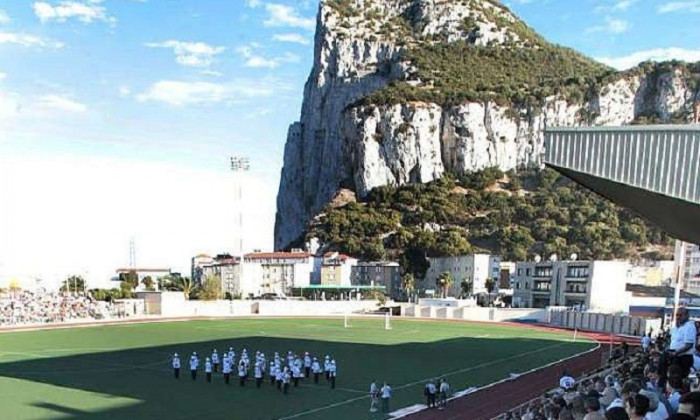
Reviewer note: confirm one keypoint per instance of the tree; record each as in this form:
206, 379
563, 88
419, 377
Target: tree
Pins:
490, 285
408, 284
211, 288
466, 286
129, 281
73, 284
148, 283
445, 281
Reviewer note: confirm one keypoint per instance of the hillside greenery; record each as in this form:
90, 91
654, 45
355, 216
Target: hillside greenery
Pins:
452, 73
516, 216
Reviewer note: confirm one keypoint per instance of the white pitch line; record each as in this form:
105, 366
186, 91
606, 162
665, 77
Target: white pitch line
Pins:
455, 372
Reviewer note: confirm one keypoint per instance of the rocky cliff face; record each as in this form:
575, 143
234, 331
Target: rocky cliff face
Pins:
358, 49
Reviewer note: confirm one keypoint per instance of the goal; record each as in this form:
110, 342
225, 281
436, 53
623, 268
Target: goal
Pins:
378, 318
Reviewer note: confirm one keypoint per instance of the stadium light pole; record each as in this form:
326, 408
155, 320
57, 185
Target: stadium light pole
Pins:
240, 164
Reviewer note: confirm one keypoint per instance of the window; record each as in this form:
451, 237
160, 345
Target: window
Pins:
520, 271
527, 272
578, 272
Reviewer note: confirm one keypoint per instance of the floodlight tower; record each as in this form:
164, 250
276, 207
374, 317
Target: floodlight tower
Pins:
239, 164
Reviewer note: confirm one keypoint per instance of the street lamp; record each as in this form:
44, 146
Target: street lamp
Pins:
240, 164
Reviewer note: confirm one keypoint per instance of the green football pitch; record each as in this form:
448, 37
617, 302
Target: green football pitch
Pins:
123, 371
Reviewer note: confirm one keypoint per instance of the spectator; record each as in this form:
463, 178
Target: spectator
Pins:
616, 413
690, 404
637, 406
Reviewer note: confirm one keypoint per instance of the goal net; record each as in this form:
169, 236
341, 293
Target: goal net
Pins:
381, 320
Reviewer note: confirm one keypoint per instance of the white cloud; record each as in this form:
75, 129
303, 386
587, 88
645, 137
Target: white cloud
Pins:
257, 61
4, 18
294, 38
191, 54
624, 5
212, 73
612, 26
3, 76
84, 12
26, 40
659, 54
178, 93
253, 3
615, 6
61, 103
283, 15
124, 91
680, 6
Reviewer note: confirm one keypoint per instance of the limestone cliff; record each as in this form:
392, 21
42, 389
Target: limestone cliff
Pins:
342, 140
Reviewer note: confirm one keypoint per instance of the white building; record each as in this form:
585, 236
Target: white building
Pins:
276, 272
475, 269
687, 259
597, 285
652, 273
336, 269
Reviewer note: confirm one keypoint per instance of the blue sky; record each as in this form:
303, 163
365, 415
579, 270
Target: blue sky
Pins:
117, 117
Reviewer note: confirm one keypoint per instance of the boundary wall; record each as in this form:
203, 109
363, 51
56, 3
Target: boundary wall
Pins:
604, 323
476, 313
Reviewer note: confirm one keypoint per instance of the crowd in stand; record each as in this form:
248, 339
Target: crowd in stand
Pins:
657, 382
24, 307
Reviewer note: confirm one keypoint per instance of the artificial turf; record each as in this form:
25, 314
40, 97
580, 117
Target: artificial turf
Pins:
123, 371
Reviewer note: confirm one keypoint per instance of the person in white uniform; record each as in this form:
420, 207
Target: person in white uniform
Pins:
176, 366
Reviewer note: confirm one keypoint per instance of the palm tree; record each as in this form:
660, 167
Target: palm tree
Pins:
176, 284
408, 284
466, 286
445, 281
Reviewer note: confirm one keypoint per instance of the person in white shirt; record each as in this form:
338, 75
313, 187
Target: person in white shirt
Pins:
232, 355
386, 396
279, 377
444, 393
430, 391
333, 373
646, 343
194, 362
327, 368
286, 378
227, 370
296, 374
307, 365
215, 360
242, 372
273, 372
682, 347
258, 374
208, 368
316, 369
373, 397
566, 382
176, 366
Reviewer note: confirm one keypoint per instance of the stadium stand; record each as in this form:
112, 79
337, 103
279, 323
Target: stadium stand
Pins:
25, 308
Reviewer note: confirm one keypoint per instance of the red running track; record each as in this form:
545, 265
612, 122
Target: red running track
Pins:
490, 402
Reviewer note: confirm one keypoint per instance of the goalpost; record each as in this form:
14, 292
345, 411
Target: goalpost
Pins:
347, 319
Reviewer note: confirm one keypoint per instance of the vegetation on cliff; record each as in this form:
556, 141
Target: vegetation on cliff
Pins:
452, 73
516, 216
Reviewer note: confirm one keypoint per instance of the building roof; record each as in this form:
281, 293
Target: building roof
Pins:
639, 290
280, 255
337, 255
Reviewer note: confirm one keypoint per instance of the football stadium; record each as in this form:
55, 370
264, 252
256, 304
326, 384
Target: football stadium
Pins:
125, 371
